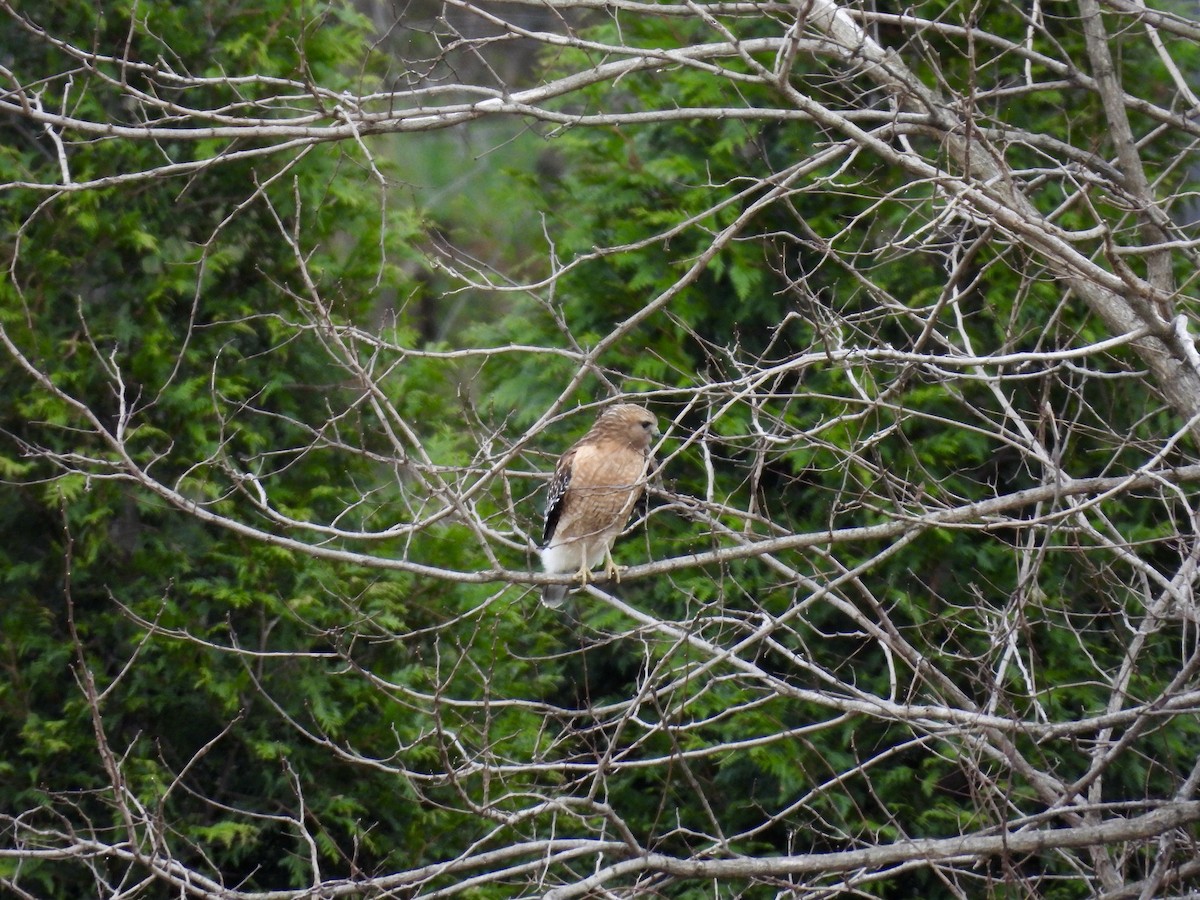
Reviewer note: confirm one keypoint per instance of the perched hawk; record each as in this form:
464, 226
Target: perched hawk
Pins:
595, 487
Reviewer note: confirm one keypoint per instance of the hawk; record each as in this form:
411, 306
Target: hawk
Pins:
594, 489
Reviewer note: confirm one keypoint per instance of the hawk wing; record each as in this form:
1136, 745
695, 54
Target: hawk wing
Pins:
558, 491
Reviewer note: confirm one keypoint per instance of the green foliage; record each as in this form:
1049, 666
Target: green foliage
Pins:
632, 189
246, 683
170, 302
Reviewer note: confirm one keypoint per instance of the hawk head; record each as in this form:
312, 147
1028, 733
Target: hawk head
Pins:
628, 423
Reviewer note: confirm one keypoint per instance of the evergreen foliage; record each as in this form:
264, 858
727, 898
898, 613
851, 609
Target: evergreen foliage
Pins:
267, 514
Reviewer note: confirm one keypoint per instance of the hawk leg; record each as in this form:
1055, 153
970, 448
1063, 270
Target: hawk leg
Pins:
611, 569
585, 573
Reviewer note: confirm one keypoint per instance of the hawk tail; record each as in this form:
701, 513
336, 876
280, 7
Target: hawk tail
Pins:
553, 595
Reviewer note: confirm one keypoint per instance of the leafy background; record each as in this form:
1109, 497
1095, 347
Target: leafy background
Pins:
249, 686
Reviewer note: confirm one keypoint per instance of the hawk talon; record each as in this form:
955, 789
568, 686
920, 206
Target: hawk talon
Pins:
611, 570
584, 574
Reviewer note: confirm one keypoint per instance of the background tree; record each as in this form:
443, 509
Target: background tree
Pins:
912, 610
